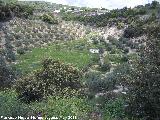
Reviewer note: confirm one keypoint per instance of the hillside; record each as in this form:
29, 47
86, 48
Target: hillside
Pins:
84, 63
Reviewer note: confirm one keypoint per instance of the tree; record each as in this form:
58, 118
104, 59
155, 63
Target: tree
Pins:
55, 78
144, 90
154, 4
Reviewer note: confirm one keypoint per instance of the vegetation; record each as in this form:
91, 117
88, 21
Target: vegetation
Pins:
144, 91
49, 18
12, 8
53, 79
69, 61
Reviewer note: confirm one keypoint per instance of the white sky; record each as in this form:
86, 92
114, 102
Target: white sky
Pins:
109, 4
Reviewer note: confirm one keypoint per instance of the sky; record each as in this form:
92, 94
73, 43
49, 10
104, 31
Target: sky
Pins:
109, 4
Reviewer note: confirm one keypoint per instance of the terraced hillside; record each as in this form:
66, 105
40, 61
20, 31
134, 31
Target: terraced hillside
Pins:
103, 67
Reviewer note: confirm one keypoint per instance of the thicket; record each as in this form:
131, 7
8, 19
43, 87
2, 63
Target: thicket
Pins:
11, 9
49, 18
55, 78
6, 74
143, 95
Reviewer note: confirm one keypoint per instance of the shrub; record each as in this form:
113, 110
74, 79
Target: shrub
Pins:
154, 4
120, 25
108, 46
114, 109
144, 91
131, 32
55, 78
6, 76
126, 50
96, 84
94, 59
18, 43
113, 51
63, 107
112, 40
10, 55
10, 106
123, 40
20, 51
49, 18
125, 58
120, 75
105, 67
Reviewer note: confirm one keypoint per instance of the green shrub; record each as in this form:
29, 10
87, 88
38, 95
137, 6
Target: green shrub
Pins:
154, 4
95, 83
49, 18
20, 51
6, 76
114, 109
144, 91
94, 59
131, 32
55, 78
10, 106
63, 107
120, 25
126, 50
108, 46
105, 67
10, 55
125, 58
112, 40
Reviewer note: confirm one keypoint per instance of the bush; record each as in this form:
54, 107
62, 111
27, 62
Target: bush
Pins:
63, 107
10, 106
120, 25
10, 55
55, 78
112, 40
126, 50
94, 59
96, 84
20, 51
105, 67
132, 32
125, 58
154, 4
18, 43
49, 18
123, 40
6, 76
144, 91
108, 46
114, 109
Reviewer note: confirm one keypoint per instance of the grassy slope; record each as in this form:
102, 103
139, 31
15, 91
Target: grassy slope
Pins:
65, 52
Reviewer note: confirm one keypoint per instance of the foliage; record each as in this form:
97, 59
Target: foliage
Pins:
116, 17
55, 78
66, 52
10, 106
63, 107
96, 83
49, 18
21, 51
131, 32
154, 4
105, 67
114, 109
12, 9
6, 74
143, 96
